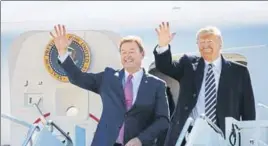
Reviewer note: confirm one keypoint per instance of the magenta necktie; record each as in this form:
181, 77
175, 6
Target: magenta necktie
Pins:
128, 90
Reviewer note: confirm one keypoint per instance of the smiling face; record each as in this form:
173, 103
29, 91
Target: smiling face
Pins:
209, 43
132, 54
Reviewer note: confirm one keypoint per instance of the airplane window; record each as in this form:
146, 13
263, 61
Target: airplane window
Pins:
72, 111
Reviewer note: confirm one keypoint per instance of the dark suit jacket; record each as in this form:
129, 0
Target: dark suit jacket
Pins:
234, 98
162, 137
147, 118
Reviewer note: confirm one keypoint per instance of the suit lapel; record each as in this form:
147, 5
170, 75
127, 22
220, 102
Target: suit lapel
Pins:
120, 75
223, 83
141, 90
199, 73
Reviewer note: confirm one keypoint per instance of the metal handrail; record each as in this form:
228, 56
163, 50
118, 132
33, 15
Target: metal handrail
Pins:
32, 127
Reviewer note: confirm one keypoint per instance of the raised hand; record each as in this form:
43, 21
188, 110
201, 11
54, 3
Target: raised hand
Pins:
164, 35
60, 39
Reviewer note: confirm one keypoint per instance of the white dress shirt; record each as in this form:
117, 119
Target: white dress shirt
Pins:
136, 80
200, 105
199, 109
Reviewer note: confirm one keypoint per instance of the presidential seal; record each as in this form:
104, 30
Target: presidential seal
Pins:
79, 52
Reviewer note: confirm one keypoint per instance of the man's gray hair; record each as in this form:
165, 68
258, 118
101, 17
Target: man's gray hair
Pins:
209, 30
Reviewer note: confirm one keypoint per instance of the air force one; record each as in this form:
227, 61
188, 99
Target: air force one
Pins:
45, 109
40, 91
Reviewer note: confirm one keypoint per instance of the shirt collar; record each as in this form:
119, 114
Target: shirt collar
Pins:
136, 75
216, 63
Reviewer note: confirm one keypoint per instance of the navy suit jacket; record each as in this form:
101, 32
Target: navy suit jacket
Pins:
148, 117
234, 98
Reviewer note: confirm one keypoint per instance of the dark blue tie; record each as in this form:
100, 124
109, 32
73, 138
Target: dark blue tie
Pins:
210, 95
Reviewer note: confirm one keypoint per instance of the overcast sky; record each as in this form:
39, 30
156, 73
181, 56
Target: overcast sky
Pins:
129, 14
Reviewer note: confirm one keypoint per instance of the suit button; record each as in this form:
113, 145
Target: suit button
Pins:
186, 108
194, 95
178, 122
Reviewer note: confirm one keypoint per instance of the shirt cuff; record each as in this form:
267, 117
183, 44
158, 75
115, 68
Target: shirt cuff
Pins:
63, 57
160, 50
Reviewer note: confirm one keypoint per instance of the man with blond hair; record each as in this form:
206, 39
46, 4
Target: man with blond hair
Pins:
209, 85
135, 107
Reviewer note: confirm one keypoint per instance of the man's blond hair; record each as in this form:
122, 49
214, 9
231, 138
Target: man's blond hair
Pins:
132, 38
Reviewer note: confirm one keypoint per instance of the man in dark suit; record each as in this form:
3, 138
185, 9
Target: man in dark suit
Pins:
209, 84
135, 106
161, 138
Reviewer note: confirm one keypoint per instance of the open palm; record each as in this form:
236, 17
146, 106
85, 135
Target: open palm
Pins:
164, 35
60, 39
